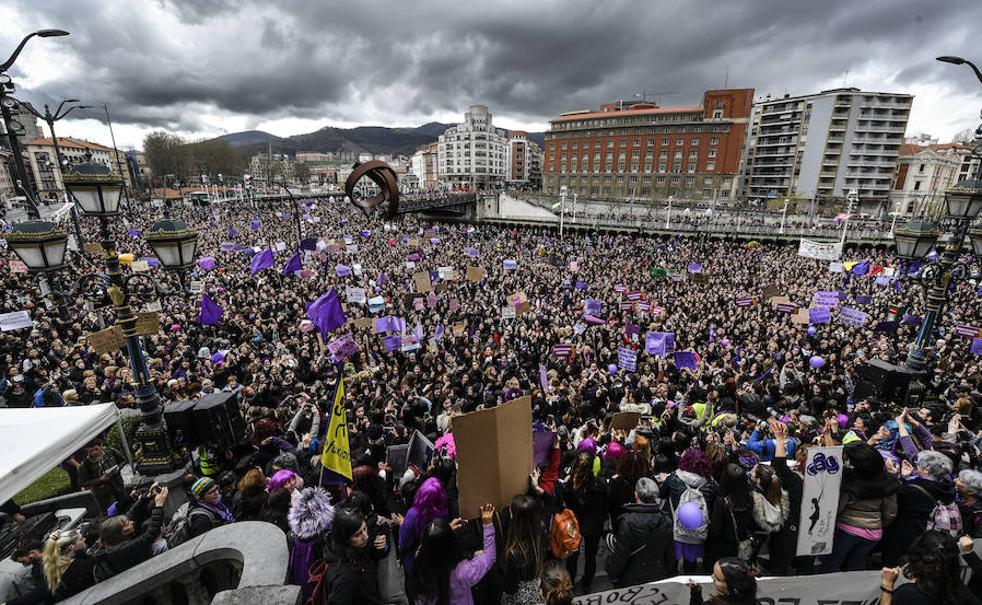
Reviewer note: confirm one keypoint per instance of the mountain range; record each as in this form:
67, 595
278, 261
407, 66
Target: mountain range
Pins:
363, 139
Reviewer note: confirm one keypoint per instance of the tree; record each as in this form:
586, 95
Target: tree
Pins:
301, 172
213, 158
166, 154
965, 137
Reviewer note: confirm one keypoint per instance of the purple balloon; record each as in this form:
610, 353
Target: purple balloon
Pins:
812, 330
816, 362
690, 515
612, 369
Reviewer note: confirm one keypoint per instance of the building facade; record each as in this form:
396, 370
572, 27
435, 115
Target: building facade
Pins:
524, 161
43, 165
424, 164
473, 153
818, 147
924, 174
640, 151
7, 182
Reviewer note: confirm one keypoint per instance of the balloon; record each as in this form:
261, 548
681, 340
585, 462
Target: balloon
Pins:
843, 420
612, 369
690, 515
125, 259
812, 330
175, 327
816, 362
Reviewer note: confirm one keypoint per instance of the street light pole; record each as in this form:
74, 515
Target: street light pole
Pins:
562, 209
852, 197
119, 167
668, 213
784, 215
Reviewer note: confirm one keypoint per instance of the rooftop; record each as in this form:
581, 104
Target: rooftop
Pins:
629, 112
66, 143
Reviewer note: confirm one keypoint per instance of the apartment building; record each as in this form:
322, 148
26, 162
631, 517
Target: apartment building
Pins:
474, 152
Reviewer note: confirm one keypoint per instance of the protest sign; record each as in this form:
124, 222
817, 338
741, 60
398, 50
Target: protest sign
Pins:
363, 322
96, 248
147, 324
819, 500
355, 295
154, 305
107, 340
786, 307
770, 291
15, 321
476, 274
801, 317
445, 272
139, 266
627, 359
196, 286
458, 328
519, 300
819, 250
507, 312
18, 266
826, 298
852, 317
967, 331
410, 344
624, 421
819, 315
835, 267
422, 281
397, 456
494, 455
342, 347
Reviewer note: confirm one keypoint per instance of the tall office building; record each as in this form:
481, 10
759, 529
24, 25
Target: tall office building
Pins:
473, 153
818, 147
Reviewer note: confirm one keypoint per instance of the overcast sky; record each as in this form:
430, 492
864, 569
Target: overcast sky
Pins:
204, 67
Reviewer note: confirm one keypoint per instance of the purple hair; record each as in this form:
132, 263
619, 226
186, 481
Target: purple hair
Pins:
614, 451
695, 461
587, 445
430, 502
279, 479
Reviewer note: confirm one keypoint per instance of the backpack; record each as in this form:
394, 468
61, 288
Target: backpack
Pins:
317, 580
682, 533
564, 534
179, 530
944, 517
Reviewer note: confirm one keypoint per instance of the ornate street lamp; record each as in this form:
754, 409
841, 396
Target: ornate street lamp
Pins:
173, 242
39, 244
964, 200
915, 239
95, 187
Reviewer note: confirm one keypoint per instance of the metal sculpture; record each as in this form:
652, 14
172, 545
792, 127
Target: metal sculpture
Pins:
382, 175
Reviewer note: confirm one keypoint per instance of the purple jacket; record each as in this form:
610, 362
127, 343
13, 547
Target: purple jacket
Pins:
910, 448
469, 572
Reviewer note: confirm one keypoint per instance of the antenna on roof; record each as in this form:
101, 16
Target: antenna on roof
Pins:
726, 78
845, 78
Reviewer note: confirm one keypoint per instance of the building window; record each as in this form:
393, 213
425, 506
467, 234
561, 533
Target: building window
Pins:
680, 141
677, 167
920, 169
710, 165
664, 141
694, 142
662, 167
714, 141
707, 193
691, 168
712, 153
707, 181
917, 185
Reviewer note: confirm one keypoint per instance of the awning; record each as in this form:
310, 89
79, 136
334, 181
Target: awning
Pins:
35, 440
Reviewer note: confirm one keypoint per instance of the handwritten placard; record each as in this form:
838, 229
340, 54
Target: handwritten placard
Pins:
107, 340
147, 324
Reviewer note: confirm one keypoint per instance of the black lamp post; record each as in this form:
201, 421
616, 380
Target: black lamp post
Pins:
98, 190
7, 103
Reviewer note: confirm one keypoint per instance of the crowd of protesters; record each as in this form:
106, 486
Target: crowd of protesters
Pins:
729, 432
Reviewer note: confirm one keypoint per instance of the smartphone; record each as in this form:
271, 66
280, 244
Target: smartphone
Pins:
112, 470
551, 419
646, 420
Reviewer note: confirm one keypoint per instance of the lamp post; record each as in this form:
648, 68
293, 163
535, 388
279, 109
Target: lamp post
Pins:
7, 103
97, 191
784, 214
668, 212
562, 209
853, 198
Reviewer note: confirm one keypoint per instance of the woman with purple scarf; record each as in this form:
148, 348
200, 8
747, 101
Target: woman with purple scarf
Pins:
207, 509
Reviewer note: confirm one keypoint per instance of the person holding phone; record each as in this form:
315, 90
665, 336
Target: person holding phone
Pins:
99, 473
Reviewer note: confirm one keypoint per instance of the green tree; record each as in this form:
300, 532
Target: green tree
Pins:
166, 154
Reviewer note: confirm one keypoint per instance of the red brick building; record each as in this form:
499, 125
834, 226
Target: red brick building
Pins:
644, 152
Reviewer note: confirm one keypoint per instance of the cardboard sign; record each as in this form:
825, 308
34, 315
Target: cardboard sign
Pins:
625, 421
520, 301
446, 273
147, 324
494, 455
92, 248
18, 266
154, 306
476, 274
422, 281
413, 241
700, 278
803, 316
107, 340
355, 295
364, 322
458, 328
196, 286
15, 321
139, 266
771, 291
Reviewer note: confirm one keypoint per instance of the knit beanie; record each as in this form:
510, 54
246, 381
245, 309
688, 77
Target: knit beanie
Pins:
201, 486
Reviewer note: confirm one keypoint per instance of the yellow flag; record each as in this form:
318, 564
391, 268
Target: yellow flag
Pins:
337, 455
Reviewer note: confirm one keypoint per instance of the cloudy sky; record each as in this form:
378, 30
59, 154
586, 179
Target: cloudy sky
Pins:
204, 67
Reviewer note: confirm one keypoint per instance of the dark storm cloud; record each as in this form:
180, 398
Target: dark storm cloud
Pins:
167, 63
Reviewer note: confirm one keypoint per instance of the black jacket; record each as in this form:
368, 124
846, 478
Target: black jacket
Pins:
914, 508
77, 577
132, 552
352, 583
644, 550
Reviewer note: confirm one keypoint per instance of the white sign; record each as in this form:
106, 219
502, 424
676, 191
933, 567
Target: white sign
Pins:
445, 272
15, 321
835, 267
355, 295
139, 266
507, 312
196, 286
351, 248
154, 306
410, 264
321, 244
356, 269
819, 501
819, 250
280, 246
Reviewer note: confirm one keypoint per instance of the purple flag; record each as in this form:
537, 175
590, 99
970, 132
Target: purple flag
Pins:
342, 347
977, 346
342, 270
541, 443
694, 267
254, 224
593, 320
152, 261
326, 312
864, 300
309, 243
285, 216
207, 263
631, 329
685, 359
294, 264
593, 306
262, 260
659, 344
861, 268
439, 332
392, 342
233, 232
218, 357
418, 332
211, 313
472, 252
415, 257
543, 378
364, 233
581, 285
509, 264
134, 232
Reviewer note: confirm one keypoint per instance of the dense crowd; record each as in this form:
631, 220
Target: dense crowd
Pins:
726, 429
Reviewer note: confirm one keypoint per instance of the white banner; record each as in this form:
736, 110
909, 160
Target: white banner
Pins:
820, 500
819, 250
848, 587
15, 321
355, 295
507, 312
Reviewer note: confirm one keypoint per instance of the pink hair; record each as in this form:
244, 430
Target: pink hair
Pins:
279, 479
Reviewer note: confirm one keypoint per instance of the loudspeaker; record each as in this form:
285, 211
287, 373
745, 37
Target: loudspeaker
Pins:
218, 420
888, 382
179, 417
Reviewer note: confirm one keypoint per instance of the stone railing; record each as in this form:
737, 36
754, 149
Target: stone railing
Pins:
241, 563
